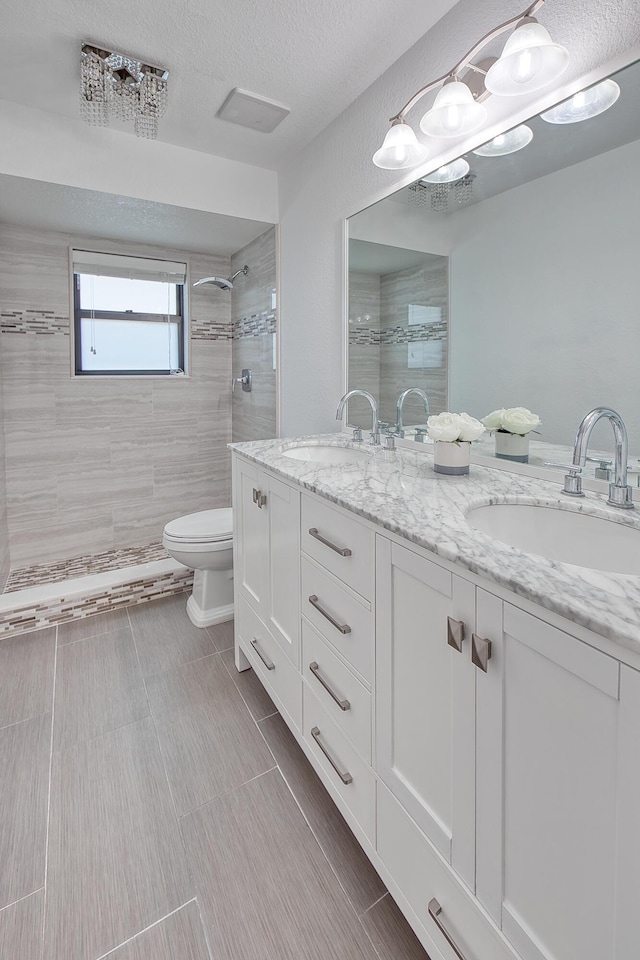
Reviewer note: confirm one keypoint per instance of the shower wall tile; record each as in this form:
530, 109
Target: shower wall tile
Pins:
4, 528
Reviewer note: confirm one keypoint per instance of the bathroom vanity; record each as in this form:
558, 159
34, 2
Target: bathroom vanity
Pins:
472, 710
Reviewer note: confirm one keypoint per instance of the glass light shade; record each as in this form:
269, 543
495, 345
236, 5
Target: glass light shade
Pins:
454, 112
530, 60
449, 173
585, 104
509, 142
400, 149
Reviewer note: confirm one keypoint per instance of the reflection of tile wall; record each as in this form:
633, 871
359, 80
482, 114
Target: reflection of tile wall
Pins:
4, 530
254, 328
97, 464
364, 342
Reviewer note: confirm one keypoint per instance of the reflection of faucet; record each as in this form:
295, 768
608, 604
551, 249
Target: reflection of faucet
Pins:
619, 491
375, 436
401, 399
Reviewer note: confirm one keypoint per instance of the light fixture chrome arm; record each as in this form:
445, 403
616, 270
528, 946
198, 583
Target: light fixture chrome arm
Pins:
419, 392
468, 57
375, 435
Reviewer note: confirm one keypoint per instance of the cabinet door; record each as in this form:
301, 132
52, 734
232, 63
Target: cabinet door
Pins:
425, 706
283, 512
547, 733
251, 560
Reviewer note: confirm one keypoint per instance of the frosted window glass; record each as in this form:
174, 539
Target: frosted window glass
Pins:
129, 345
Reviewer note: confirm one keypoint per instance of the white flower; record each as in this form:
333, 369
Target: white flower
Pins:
471, 428
494, 420
519, 420
444, 426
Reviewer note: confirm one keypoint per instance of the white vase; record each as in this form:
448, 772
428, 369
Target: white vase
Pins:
451, 458
512, 446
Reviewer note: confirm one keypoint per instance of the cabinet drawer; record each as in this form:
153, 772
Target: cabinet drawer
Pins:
423, 876
338, 616
343, 533
338, 762
271, 664
344, 698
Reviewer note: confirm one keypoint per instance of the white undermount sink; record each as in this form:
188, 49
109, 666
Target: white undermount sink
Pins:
324, 453
569, 536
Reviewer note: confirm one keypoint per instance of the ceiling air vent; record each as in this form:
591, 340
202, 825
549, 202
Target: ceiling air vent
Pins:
251, 110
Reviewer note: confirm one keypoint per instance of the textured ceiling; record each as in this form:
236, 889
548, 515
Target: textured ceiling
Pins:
315, 56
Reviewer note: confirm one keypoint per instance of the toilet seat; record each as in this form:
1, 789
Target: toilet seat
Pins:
206, 526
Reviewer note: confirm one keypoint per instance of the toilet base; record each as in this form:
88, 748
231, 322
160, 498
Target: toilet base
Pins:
212, 598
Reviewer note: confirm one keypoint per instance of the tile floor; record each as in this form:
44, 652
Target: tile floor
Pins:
154, 806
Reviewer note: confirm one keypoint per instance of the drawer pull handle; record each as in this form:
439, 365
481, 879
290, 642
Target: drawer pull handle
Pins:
269, 664
259, 498
434, 912
344, 775
480, 652
315, 670
341, 551
455, 633
342, 627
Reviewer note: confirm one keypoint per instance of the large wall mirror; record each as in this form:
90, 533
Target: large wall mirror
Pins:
516, 284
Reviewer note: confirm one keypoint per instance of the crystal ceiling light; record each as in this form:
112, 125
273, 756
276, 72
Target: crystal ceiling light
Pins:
585, 104
113, 85
505, 143
454, 113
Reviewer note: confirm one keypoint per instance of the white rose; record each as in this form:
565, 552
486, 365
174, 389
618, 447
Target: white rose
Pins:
471, 428
444, 426
519, 420
494, 420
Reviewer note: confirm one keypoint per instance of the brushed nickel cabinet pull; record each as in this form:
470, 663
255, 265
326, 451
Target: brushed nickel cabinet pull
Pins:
269, 664
259, 498
342, 627
341, 551
344, 775
435, 911
455, 633
315, 670
480, 652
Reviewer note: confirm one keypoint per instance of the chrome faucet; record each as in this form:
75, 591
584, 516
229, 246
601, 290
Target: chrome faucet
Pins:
375, 435
401, 399
619, 490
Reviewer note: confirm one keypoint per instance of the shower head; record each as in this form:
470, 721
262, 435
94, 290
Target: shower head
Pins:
225, 283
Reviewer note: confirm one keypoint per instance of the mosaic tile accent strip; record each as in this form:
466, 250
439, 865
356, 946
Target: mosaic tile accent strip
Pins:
60, 610
258, 325
39, 322
211, 330
401, 334
83, 566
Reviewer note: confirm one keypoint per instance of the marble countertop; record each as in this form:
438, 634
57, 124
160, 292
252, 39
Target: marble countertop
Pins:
400, 492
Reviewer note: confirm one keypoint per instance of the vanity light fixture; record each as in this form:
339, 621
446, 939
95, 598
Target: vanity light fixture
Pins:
584, 104
529, 61
505, 143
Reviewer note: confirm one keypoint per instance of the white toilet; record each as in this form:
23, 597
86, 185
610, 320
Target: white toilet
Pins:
204, 543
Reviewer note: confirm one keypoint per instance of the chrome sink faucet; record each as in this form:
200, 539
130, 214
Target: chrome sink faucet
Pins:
619, 490
375, 435
399, 405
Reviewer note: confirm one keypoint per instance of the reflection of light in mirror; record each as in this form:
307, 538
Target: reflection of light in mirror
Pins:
584, 104
505, 143
448, 173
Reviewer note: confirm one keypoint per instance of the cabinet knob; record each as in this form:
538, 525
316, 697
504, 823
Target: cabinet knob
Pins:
455, 633
480, 652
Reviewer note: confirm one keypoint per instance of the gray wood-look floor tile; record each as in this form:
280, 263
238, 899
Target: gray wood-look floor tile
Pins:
253, 693
24, 785
178, 937
352, 866
26, 675
116, 862
264, 886
92, 626
222, 635
21, 929
208, 740
165, 637
390, 933
99, 687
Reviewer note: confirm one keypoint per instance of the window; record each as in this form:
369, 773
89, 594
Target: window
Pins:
129, 315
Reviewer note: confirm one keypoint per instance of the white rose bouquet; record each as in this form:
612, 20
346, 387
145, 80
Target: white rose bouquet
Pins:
516, 420
454, 427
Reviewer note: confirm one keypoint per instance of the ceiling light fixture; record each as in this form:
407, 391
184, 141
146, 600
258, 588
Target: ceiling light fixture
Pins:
529, 61
585, 104
114, 85
505, 143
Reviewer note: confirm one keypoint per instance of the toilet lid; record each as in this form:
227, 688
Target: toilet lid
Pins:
205, 525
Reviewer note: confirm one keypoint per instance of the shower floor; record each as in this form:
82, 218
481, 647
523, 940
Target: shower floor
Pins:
60, 570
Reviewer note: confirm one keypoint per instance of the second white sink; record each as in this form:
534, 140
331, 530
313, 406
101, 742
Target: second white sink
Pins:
569, 536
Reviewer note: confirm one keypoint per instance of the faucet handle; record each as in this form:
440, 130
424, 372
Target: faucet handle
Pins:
572, 480
357, 432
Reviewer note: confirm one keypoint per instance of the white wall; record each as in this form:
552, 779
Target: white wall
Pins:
544, 288
334, 177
